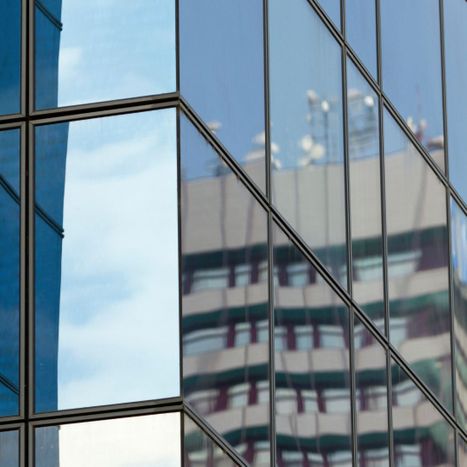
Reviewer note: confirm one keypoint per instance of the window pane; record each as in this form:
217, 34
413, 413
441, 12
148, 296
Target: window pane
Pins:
360, 21
9, 448
223, 226
9, 271
462, 452
151, 440
365, 195
113, 50
411, 60
222, 74
459, 285
312, 385
371, 398
455, 30
422, 436
418, 262
106, 275
306, 130
10, 56
333, 9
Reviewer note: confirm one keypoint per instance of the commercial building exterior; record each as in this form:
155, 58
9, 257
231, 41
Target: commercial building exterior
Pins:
233, 233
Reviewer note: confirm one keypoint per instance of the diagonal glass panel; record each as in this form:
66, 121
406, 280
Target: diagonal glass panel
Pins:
422, 437
411, 63
225, 327
312, 381
308, 185
333, 9
418, 262
222, 75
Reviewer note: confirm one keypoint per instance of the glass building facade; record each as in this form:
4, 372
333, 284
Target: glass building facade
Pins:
233, 232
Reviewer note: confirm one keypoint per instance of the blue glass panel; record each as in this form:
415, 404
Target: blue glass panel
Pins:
418, 262
10, 56
114, 50
333, 9
9, 448
455, 30
307, 131
411, 60
106, 274
225, 300
222, 74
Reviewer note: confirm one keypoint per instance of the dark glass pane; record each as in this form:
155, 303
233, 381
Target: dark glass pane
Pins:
311, 335
371, 402
418, 262
455, 35
9, 271
365, 196
200, 450
422, 437
114, 50
106, 274
225, 300
411, 60
10, 56
459, 286
151, 440
333, 9
9, 448
222, 74
360, 22
306, 130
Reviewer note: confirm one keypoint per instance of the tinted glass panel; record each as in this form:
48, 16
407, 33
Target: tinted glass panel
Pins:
106, 283
422, 437
459, 285
113, 50
311, 335
306, 130
9, 271
225, 327
462, 452
200, 450
418, 261
371, 398
10, 56
221, 64
152, 440
412, 69
455, 30
9, 448
365, 196
333, 9
361, 31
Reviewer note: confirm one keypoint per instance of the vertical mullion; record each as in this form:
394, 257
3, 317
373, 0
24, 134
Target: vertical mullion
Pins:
444, 88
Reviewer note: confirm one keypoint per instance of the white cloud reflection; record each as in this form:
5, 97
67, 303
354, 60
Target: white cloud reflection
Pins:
118, 339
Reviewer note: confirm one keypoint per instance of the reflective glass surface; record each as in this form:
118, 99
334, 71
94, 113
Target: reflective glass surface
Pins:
311, 343
455, 36
333, 9
360, 22
9, 448
418, 262
422, 437
200, 450
222, 74
371, 398
151, 440
225, 300
365, 195
106, 270
411, 60
459, 290
10, 56
9, 271
113, 49
306, 130
462, 452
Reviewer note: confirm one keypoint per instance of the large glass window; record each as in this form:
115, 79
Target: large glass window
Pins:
9, 448
106, 266
306, 130
223, 225
97, 50
418, 262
